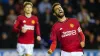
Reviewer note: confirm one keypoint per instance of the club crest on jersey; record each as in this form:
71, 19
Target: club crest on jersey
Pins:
33, 22
24, 21
71, 25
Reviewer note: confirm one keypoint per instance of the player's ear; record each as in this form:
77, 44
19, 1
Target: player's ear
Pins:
54, 14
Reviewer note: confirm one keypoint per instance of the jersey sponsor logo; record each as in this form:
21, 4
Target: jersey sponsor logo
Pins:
33, 22
71, 25
68, 33
24, 21
28, 27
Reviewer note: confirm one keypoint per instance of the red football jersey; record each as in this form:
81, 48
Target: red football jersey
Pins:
67, 33
28, 23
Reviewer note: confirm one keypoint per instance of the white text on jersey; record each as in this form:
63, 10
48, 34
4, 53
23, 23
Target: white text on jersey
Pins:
68, 33
28, 27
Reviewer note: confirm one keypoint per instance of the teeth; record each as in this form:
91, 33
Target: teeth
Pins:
60, 11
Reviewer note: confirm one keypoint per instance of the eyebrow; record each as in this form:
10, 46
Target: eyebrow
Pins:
58, 7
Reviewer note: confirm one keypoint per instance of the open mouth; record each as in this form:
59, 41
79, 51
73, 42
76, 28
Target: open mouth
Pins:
60, 11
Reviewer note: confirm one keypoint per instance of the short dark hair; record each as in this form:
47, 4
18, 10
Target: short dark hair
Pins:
27, 3
53, 6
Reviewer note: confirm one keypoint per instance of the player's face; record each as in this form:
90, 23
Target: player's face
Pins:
59, 11
28, 9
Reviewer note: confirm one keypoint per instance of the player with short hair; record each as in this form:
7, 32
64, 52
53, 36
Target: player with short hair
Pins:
25, 26
68, 32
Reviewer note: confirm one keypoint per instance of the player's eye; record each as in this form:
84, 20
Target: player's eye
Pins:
56, 8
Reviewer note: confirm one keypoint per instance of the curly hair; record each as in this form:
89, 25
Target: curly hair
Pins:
53, 6
27, 3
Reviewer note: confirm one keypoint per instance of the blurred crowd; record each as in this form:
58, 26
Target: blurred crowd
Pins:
86, 11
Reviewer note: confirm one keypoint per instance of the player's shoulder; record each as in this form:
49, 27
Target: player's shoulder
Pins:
74, 19
20, 17
34, 16
56, 24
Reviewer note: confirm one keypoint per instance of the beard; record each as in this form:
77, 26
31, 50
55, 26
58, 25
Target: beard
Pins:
60, 15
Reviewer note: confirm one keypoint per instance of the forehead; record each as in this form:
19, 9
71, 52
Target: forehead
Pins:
28, 5
57, 6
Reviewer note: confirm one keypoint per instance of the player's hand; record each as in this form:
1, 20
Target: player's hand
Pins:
82, 43
50, 51
38, 38
23, 30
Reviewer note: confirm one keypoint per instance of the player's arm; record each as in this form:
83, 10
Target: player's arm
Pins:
82, 37
16, 24
37, 27
52, 47
53, 41
80, 32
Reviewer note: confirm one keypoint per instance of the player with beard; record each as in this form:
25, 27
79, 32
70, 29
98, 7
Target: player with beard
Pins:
68, 32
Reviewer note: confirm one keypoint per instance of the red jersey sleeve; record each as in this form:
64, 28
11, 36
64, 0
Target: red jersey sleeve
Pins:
80, 31
16, 25
53, 34
53, 38
37, 27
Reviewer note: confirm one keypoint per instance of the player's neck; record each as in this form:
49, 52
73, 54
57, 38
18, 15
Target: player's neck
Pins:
28, 15
62, 19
